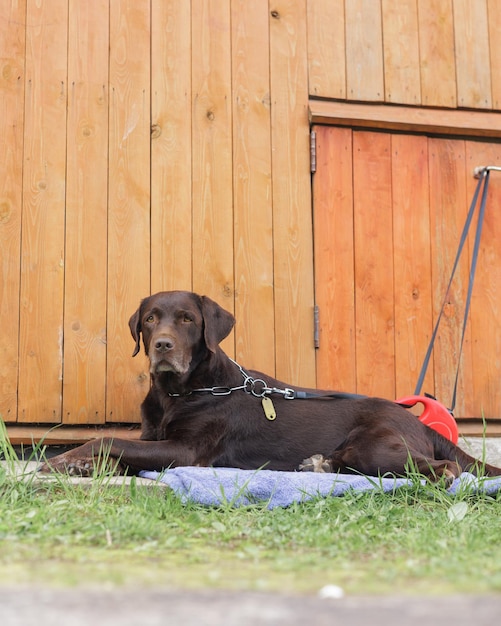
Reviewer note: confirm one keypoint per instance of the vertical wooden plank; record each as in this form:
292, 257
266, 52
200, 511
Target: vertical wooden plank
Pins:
293, 253
171, 203
129, 200
401, 52
253, 217
472, 54
412, 261
326, 48
12, 49
84, 373
373, 264
212, 154
334, 258
485, 312
436, 52
494, 21
447, 216
364, 50
42, 271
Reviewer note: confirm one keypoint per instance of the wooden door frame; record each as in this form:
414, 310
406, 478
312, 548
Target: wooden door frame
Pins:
462, 123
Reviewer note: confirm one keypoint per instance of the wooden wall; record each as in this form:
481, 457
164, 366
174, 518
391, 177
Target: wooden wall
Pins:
430, 53
148, 145
161, 144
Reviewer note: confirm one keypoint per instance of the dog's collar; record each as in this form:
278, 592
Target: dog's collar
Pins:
258, 388
254, 386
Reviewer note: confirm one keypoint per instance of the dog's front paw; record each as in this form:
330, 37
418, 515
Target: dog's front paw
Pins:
72, 464
67, 465
316, 463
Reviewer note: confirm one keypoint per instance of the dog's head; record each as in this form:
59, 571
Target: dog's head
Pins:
176, 327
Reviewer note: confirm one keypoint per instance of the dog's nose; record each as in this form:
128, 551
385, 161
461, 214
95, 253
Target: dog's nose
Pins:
164, 344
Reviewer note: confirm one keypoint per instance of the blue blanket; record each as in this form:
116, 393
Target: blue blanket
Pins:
218, 486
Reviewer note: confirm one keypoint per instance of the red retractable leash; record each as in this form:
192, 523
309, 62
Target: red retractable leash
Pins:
435, 414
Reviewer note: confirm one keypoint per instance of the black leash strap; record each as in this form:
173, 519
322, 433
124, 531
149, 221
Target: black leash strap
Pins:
335, 395
483, 182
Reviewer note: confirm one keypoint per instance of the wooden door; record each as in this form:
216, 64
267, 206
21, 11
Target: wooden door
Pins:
388, 213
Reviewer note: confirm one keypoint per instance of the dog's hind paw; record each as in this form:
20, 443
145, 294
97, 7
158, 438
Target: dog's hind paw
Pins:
316, 463
448, 478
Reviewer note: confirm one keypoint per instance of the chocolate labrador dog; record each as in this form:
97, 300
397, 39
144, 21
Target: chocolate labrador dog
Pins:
205, 409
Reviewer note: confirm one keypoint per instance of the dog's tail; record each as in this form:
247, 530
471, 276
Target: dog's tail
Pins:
444, 449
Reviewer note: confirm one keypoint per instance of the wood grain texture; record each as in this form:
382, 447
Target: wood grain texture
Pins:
292, 224
252, 198
401, 51
412, 119
67, 435
407, 225
12, 83
494, 23
442, 53
448, 200
326, 49
213, 272
473, 69
44, 171
484, 398
84, 373
437, 53
129, 202
171, 153
412, 264
374, 282
364, 51
334, 258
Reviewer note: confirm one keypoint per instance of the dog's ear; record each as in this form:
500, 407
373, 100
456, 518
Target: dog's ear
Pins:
135, 329
217, 323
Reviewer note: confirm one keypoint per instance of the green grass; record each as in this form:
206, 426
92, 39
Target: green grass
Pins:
416, 540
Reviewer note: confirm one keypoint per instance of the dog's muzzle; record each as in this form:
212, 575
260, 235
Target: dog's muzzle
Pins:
165, 358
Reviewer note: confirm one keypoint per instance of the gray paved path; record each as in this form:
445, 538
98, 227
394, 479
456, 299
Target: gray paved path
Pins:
30, 607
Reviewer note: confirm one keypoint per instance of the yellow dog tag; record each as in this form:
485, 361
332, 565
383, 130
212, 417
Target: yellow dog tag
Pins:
269, 409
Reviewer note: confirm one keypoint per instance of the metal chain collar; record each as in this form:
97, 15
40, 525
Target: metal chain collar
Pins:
254, 386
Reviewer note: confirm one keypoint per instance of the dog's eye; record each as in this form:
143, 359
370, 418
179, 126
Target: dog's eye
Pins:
150, 319
187, 318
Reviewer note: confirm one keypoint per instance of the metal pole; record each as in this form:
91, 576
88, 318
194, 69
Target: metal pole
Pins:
479, 171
